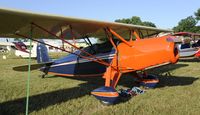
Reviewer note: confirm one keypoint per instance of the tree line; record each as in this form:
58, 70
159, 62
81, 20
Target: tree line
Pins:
188, 24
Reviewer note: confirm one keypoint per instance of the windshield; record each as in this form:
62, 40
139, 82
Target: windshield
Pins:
99, 48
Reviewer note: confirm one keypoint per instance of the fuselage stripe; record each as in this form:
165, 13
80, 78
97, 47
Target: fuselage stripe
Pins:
72, 75
83, 60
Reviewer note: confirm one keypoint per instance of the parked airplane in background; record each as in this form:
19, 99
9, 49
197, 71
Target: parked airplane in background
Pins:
188, 44
5, 47
125, 48
20, 49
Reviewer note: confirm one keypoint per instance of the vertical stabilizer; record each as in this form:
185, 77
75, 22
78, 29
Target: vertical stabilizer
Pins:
42, 53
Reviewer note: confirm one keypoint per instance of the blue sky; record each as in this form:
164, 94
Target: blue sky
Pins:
165, 14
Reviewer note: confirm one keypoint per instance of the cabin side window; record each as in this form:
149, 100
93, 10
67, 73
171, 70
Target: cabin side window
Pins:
99, 48
186, 45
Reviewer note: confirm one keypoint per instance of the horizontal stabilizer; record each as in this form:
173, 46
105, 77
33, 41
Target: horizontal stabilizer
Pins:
33, 66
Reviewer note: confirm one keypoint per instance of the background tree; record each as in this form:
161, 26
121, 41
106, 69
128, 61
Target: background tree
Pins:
187, 25
147, 23
197, 14
136, 21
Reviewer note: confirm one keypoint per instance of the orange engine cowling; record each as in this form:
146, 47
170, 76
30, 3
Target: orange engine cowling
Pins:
148, 52
142, 54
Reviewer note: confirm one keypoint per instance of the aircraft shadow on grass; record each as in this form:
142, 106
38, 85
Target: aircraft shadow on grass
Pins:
42, 101
190, 60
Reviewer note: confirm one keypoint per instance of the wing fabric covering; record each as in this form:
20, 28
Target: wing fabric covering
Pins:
15, 21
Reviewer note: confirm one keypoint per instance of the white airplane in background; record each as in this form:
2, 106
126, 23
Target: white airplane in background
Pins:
19, 48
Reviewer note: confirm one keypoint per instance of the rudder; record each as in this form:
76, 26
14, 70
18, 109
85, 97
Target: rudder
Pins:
42, 53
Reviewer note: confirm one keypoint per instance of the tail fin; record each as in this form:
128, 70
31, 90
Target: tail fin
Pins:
42, 53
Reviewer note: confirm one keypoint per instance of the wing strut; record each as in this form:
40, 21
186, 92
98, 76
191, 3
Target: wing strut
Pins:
92, 58
112, 76
107, 93
119, 37
62, 49
136, 35
62, 38
92, 47
108, 78
73, 36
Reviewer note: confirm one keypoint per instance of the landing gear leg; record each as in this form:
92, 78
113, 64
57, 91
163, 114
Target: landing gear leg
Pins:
108, 94
46, 70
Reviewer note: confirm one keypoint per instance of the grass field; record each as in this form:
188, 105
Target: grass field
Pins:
177, 93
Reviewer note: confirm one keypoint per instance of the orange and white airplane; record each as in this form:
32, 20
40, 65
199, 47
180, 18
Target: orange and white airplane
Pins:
127, 48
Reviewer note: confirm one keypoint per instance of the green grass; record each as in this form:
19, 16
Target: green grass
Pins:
177, 93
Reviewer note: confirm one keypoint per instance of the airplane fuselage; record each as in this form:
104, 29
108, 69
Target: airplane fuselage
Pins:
144, 53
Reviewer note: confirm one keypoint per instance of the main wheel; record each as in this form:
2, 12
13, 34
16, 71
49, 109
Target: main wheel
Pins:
106, 95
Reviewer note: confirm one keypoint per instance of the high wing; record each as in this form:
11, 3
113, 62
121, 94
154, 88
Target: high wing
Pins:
16, 21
